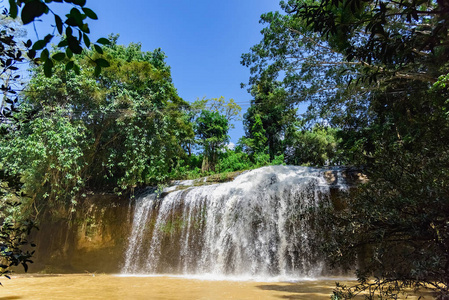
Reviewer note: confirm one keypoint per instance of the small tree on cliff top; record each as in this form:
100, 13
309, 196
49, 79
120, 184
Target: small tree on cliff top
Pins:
212, 132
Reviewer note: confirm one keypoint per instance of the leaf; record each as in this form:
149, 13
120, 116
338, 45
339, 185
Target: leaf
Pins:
58, 56
48, 66
97, 70
32, 10
90, 13
39, 45
79, 2
69, 31
48, 38
13, 9
63, 43
69, 65
98, 49
59, 24
25, 267
76, 68
85, 28
71, 21
76, 15
102, 62
31, 54
69, 53
74, 45
86, 40
103, 41
28, 43
45, 54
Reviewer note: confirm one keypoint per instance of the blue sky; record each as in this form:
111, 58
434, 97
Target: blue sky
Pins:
203, 40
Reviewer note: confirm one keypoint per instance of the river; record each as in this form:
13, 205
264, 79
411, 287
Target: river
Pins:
102, 287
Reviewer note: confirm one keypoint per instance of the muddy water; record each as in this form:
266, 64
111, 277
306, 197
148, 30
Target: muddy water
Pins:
102, 287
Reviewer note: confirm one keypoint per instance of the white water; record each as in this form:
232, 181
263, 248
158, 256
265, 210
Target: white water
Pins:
252, 227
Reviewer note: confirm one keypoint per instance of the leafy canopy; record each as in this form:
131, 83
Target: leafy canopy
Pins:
377, 71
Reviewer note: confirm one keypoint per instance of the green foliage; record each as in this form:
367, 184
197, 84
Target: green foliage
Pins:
278, 160
261, 159
257, 142
230, 109
12, 240
376, 70
69, 42
267, 120
315, 147
231, 161
46, 155
13, 233
212, 131
124, 129
301, 63
188, 168
11, 55
400, 218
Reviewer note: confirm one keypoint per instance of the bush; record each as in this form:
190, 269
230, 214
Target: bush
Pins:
231, 161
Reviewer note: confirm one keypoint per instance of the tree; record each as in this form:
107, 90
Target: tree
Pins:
377, 70
229, 109
212, 132
315, 147
123, 129
258, 142
276, 113
14, 52
306, 67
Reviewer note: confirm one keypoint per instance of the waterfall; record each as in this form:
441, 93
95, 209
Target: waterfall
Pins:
254, 226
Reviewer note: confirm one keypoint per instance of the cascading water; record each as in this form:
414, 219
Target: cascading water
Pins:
255, 226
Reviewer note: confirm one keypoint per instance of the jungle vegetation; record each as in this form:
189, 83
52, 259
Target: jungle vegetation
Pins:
373, 73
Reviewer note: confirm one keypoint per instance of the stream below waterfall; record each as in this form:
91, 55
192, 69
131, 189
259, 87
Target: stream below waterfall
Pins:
109, 287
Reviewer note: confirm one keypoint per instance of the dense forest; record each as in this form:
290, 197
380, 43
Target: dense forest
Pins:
373, 73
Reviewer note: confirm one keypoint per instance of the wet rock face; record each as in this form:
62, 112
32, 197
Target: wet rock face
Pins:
92, 239
352, 177
331, 177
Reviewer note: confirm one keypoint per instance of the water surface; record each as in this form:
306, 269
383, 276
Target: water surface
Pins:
102, 287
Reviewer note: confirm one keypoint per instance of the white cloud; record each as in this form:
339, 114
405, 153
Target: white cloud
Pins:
230, 146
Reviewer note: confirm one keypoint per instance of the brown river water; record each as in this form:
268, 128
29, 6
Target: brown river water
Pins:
96, 287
